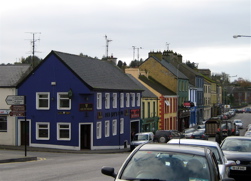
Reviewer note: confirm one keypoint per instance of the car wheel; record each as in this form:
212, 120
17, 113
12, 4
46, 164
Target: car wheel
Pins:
162, 139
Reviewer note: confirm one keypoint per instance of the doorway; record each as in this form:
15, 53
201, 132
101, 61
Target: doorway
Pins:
85, 138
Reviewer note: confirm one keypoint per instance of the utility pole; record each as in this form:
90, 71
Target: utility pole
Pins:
138, 52
33, 41
167, 46
133, 47
107, 45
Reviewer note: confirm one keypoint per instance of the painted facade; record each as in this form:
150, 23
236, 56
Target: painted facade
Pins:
10, 75
76, 102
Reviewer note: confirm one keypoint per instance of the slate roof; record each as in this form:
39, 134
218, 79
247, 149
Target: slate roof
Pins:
10, 75
146, 92
97, 74
171, 68
157, 86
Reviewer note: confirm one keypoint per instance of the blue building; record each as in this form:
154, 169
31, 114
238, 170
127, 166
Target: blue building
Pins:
75, 102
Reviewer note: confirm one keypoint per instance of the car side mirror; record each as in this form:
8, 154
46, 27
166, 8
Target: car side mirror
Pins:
230, 163
109, 171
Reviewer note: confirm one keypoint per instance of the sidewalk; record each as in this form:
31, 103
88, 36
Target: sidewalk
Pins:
9, 157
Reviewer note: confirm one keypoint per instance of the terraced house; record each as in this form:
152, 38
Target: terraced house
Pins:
76, 102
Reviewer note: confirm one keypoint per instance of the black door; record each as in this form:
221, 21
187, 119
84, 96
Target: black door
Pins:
85, 136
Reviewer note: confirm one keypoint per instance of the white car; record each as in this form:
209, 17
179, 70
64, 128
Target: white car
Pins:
223, 164
140, 138
238, 123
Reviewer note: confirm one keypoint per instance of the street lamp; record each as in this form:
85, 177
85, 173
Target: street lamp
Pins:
237, 36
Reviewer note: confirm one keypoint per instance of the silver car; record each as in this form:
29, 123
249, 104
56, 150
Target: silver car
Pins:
223, 163
238, 123
140, 138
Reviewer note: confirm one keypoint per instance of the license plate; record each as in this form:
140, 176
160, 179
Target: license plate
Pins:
197, 136
224, 134
238, 168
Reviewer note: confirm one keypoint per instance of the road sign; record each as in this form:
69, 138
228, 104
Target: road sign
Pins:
17, 110
13, 113
14, 100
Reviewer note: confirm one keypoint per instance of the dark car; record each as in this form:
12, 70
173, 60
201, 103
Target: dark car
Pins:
240, 111
163, 136
198, 134
163, 162
226, 128
238, 149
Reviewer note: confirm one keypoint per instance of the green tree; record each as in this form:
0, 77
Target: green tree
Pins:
30, 60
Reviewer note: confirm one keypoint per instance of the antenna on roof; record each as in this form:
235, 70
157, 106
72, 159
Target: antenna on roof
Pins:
33, 41
107, 45
167, 46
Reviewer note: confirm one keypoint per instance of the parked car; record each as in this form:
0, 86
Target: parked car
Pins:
223, 163
198, 134
188, 132
238, 123
247, 110
163, 136
140, 138
167, 162
238, 148
240, 111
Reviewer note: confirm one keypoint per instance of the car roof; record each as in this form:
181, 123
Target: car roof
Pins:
193, 142
172, 148
145, 133
238, 137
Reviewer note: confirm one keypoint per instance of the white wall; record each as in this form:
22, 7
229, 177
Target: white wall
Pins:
7, 138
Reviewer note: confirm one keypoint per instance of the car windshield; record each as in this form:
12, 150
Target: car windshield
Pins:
237, 121
240, 145
166, 166
226, 126
140, 137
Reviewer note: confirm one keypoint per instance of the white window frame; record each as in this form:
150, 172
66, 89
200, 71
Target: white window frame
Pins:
127, 99
122, 98
99, 130
107, 128
38, 128
59, 98
107, 100
138, 99
114, 100
59, 129
122, 125
133, 99
38, 99
99, 100
114, 127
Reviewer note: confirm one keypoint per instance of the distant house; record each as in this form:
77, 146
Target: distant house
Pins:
149, 105
10, 75
160, 113
76, 102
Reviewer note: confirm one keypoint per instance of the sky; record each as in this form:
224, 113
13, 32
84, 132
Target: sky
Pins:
200, 30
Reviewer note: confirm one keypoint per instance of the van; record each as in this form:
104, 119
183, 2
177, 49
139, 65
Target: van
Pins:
140, 138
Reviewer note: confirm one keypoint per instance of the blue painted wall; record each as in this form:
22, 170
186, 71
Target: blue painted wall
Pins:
53, 70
